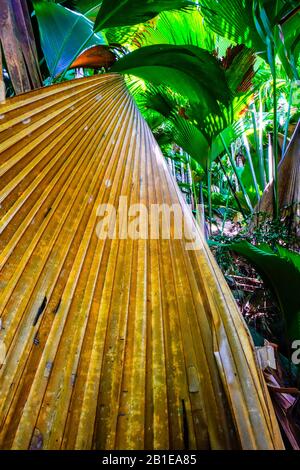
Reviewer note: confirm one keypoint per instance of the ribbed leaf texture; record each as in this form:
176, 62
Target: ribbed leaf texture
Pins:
125, 343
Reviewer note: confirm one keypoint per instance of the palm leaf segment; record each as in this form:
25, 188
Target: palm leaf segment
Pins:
259, 24
205, 115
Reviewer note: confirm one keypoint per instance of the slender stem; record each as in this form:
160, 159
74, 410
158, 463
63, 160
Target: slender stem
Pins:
194, 190
231, 188
259, 152
203, 225
225, 214
289, 15
246, 197
270, 158
275, 146
209, 199
287, 122
249, 158
261, 143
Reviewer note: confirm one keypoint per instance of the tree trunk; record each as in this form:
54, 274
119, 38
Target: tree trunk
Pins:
288, 186
18, 45
2, 87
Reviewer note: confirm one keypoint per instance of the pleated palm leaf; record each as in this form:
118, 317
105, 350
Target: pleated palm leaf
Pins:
177, 28
105, 315
270, 29
259, 24
204, 106
124, 332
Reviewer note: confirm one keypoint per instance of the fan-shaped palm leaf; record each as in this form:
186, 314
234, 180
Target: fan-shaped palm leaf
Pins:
191, 140
177, 28
253, 22
158, 99
233, 19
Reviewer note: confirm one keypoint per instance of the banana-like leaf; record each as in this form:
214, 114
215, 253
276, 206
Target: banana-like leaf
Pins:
189, 70
281, 271
129, 12
64, 34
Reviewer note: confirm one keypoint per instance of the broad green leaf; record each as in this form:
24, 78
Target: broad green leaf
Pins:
233, 19
85, 6
178, 28
281, 271
129, 12
254, 23
191, 140
89, 8
289, 256
64, 34
188, 70
230, 134
159, 99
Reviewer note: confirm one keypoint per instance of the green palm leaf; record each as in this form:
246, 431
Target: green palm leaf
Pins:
158, 99
253, 22
188, 70
288, 45
129, 12
281, 271
178, 28
88, 8
64, 34
234, 20
191, 140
